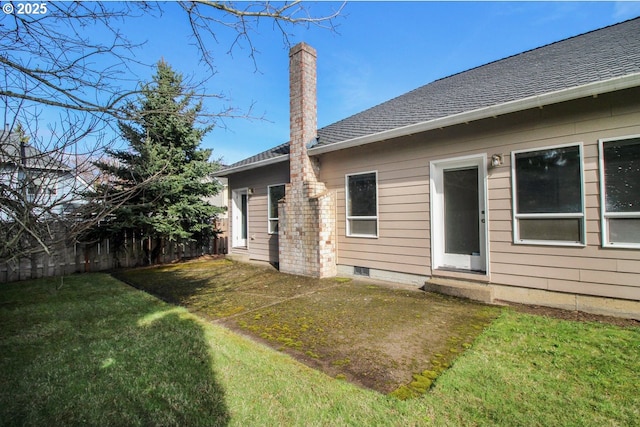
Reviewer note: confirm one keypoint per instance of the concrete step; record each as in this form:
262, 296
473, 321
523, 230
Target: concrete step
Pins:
460, 288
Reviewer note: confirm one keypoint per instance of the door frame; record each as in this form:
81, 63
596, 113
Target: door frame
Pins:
237, 240
439, 260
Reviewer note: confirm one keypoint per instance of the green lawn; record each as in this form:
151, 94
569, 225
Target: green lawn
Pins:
97, 352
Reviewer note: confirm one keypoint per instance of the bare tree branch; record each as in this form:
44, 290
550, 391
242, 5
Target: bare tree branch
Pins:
66, 80
205, 16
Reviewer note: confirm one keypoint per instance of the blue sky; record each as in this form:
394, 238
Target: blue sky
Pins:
384, 49
379, 51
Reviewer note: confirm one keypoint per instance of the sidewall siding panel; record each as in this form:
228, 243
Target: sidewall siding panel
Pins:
403, 244
261, 245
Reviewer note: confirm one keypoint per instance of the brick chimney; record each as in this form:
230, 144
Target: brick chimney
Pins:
303, 110
307, 213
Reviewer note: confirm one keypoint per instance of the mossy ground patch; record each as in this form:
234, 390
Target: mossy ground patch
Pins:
385, 338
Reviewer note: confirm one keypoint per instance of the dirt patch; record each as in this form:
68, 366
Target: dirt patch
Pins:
391, 339
370, 335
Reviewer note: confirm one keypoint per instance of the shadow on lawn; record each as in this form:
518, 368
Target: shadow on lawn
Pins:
95, 352
391, 339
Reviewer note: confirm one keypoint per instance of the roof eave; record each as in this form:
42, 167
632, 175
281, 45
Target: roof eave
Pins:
537, 101
254, 165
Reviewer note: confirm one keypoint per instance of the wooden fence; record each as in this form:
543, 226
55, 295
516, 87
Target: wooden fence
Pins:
100, 257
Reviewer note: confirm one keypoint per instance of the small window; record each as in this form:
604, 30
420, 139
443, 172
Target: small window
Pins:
620, 192
548, 196
362, 204
276, 192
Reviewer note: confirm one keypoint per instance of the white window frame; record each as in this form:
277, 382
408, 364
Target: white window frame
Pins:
351, 217
604, 215
271, 219
518, 216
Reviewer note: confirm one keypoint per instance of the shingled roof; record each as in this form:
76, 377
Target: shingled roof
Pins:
568, 69
13, 152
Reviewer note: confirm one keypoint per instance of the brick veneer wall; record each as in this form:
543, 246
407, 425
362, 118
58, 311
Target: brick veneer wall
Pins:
307, 242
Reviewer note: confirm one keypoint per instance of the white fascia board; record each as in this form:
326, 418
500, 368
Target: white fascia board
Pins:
538, 101
254, 165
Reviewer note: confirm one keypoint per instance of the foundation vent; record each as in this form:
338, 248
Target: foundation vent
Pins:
361, 271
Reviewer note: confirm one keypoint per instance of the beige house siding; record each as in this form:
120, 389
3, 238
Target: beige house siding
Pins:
261, 245
403, 208
402, 165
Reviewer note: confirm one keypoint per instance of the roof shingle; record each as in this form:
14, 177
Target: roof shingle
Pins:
595, 56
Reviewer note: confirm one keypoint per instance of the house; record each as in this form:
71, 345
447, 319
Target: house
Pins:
518, 180
35, 181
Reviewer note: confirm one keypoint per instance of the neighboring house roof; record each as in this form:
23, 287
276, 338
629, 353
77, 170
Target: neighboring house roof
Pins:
10, 151
279, 153
600, 61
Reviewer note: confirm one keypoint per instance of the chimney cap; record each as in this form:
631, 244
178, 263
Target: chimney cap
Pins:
302, 46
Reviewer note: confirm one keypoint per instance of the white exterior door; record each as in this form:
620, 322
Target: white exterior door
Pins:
458, 216
239, 214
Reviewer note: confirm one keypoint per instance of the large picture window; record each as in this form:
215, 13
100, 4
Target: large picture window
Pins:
362, 204
548, 196
620, 191
275, 193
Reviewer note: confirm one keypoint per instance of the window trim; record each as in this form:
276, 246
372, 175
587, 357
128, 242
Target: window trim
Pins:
269, 218
351, 217
604, 215
517, 216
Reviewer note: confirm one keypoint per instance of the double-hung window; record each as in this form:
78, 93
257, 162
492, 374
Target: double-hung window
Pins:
362, 204
275, 193
620, 192
548, 205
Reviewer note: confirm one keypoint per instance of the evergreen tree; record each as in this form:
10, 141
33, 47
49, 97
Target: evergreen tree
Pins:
163, 175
